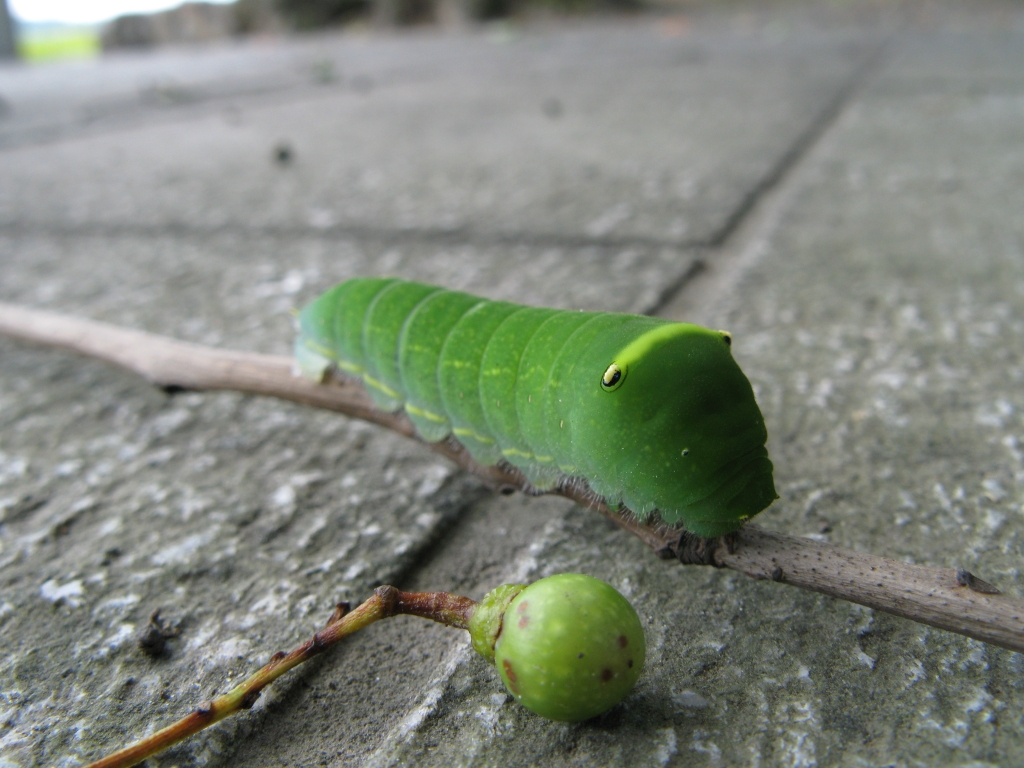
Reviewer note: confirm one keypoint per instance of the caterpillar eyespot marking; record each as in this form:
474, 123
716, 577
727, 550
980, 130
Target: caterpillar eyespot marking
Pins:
451, 360
613, 377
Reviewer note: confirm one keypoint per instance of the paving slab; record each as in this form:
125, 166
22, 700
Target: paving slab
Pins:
879, 319
879, 315
117, 497
606, 131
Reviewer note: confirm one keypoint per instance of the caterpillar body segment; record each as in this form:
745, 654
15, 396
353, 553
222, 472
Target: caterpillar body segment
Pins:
386, 317
423, 339
653, 414
459, 377
499, 378
532, 390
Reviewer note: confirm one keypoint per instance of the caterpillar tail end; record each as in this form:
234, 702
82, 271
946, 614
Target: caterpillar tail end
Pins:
310, 363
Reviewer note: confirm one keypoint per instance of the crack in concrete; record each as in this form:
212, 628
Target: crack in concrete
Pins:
782, 170
367, 233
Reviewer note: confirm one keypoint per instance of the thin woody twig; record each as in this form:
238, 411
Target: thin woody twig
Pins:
950, 599
947, 598
451, 610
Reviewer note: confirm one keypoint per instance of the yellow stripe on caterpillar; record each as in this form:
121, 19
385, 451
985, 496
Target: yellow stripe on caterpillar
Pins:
517, 452
380, 385
425, 414
327, 352
460, 432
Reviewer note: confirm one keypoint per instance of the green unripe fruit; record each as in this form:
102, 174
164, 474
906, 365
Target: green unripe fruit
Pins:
570, 647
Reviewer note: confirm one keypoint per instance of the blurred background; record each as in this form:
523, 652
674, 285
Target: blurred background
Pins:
39, 30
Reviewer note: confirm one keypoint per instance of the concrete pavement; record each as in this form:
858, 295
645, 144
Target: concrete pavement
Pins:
850, 180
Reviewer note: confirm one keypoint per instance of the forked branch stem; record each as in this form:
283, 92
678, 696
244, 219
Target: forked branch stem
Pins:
451, 610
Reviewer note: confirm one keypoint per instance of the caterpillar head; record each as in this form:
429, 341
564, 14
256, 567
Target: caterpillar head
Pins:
672, 424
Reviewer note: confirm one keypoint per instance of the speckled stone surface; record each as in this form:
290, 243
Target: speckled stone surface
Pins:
484, 137
877, 305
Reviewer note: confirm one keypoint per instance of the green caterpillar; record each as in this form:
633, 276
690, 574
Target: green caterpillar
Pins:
651, 413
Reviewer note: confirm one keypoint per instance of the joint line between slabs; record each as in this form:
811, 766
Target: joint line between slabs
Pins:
781, 171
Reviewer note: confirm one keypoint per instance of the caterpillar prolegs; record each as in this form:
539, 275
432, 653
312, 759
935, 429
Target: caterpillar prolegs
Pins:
653, 414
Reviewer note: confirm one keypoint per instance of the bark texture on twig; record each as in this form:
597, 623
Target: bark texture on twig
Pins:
950, 599
387, 601
947, 598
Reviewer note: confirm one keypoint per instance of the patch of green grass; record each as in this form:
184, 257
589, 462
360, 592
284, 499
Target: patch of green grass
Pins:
69, 43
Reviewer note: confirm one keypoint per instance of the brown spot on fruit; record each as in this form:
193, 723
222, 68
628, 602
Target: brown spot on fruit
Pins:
606, 675
623, 641
630, 664
521, 608
580, 656
511, 675
523, 621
